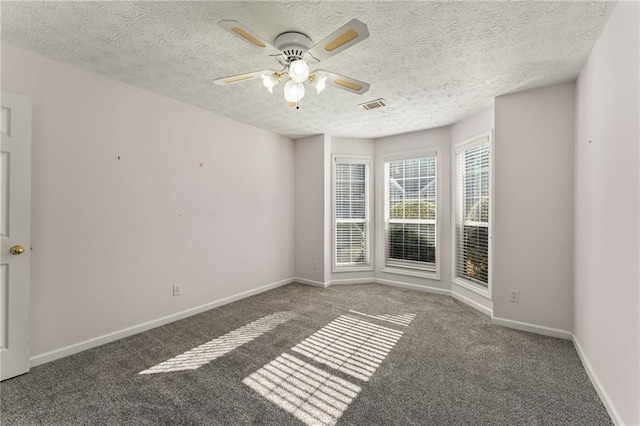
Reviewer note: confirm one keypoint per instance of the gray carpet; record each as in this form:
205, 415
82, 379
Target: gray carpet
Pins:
449, 366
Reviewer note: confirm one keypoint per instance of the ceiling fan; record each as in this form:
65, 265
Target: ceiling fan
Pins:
294, 51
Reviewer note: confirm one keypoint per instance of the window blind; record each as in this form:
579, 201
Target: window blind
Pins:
410, 213
351, 230
472, 227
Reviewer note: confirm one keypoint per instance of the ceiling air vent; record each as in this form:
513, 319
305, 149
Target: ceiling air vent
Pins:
373, 104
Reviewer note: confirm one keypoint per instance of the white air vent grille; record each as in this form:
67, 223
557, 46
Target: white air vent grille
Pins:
373, 104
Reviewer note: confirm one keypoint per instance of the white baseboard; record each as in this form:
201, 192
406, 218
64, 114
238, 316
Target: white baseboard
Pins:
602, 393
401, 284
475, 305
130, 331
532, 328
351, 281
312, 282
382, 281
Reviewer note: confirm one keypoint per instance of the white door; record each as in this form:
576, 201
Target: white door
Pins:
15, 234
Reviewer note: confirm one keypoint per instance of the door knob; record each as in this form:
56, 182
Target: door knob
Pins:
17, 249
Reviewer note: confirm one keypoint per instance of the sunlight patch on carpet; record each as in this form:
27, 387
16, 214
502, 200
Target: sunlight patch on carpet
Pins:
310, 394
207, 352
350, 345
402, 319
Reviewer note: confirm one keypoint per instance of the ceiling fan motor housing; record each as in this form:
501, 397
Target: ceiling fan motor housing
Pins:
293, 45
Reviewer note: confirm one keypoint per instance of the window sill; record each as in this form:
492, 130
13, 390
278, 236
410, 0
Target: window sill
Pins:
484, 292
352, 269
412, 272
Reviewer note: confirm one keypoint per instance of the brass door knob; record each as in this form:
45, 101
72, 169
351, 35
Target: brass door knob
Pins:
17, 249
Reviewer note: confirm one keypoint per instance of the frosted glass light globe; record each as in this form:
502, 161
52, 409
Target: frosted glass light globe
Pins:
269, 81
319, 82
299, 71
293, 92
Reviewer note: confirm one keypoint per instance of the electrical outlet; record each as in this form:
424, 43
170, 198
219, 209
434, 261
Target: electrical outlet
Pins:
177, 289
315, 266
514, 296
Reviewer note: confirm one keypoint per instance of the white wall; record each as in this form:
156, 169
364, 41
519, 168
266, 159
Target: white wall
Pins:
439, 138
476, 124
310, 210
533, 206
122, 208
353, 146
607, 215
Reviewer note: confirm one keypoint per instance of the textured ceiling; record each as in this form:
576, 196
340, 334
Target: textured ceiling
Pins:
433, 62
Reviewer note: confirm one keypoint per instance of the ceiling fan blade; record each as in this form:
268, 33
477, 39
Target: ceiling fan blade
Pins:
242, 31
241, 77
345, 83
351, 33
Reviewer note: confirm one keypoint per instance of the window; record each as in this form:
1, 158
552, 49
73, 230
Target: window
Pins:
351, 214
410, 214
472, 198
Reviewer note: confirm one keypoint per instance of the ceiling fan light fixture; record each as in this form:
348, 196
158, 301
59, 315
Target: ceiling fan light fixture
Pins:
290, 49
270, 80
293, 91
299, 70
319, 82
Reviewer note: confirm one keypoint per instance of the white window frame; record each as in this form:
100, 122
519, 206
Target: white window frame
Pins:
392, 269
368, 265
465, 145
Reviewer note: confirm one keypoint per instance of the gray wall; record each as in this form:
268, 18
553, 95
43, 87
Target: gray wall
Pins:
533, 220
111, 236
607, 214
310, 184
